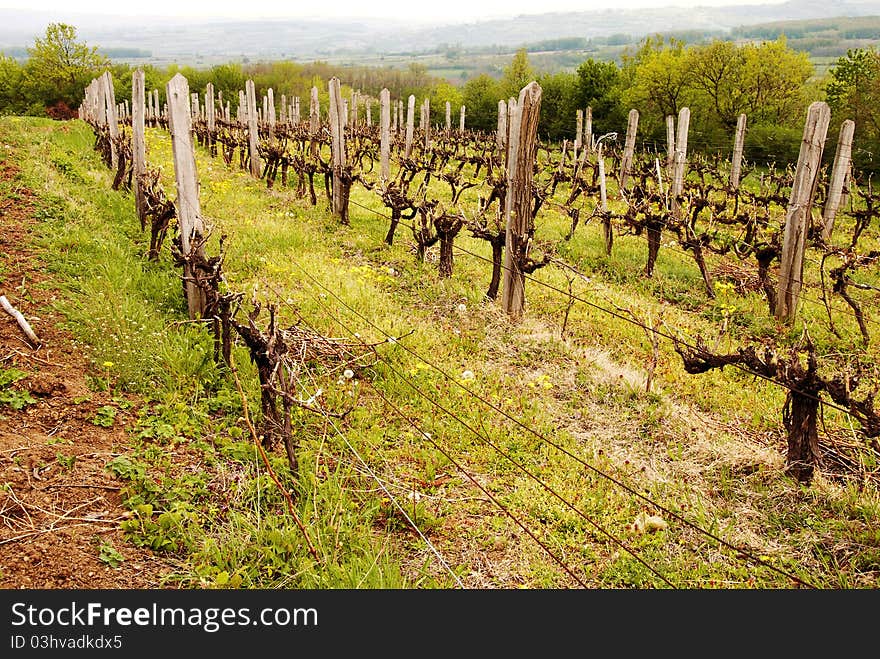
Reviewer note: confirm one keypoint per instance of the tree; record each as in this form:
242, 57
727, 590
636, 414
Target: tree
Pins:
480, 96
853, 92
775, 83
59, 67
10, 79
599, 87
517, 75
657, 80
442, 93
718, 71
559, 106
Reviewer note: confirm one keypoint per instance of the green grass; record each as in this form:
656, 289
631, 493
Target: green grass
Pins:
707, 447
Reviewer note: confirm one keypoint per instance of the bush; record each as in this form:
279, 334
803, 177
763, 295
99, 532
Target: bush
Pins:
770, 143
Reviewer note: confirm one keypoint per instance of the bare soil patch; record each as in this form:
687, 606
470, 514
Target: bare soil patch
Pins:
60, 508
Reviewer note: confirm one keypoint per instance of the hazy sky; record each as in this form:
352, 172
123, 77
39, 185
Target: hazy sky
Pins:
450, 10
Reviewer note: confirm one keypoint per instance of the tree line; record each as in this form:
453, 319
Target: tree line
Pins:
768, 81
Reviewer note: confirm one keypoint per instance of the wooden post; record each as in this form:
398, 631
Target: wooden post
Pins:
384, 133
588, 129
798, 214
337, 146
209, 115
284, 117
410, 125
629, 147
314, 112
189, 216
670, 145
427, 110
253, 129
99, 105
148, 108
112, 120
394, 119
270, 116
501, 130
738, 144
242, 113
842, 160
156, 106
579, 131
194, 97
314, 122
461, 120
518, 209
680, 162
138, 144
448, 116
368, 107
607, 229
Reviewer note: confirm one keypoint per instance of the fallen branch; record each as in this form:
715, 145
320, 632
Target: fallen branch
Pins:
22, 323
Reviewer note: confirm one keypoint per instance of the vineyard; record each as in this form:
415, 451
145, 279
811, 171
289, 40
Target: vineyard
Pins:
374, 352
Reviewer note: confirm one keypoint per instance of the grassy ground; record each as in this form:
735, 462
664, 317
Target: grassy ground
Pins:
479, 452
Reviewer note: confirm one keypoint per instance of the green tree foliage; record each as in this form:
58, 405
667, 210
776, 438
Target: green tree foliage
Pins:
480, 96
516, 75
559, 105
853, 92
718, 81
441, 93
11, 74
59, 68
656, 83
599, 87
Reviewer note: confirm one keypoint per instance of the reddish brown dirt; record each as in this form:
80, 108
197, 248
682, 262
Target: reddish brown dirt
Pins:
58, 503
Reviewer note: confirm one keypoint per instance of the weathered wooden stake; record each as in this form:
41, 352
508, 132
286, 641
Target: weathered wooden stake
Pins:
426, 109
579, 131
588, 129
501, 131
270, 116
632, 126
410, 125
253, 129
839, 171
607, 228
670, 145
112, 120
739, 141
798, 214
138, 145
150, 114
680, 163
189, 214
461, 119
337, 147
384, 133
209, 114
522, 151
